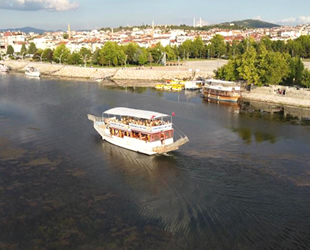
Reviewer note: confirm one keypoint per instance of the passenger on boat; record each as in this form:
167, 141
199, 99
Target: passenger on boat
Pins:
143, 122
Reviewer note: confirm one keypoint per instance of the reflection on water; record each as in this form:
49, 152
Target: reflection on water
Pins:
290, 114
247, 135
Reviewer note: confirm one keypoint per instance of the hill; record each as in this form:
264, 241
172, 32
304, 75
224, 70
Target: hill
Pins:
252, 24
26, 30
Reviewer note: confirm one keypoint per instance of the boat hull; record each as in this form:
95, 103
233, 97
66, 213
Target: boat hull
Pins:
33, 74
129, 143
223, 98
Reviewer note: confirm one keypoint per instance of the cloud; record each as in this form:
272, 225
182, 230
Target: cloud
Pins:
257, 18
34, 5
294, 20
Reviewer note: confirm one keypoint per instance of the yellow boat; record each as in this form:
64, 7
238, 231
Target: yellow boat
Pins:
176, 88
160, 86
168, 87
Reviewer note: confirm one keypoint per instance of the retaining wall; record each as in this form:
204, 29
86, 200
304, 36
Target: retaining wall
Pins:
293, 96
154, 74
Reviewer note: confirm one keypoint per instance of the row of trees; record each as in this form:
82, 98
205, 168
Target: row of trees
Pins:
133, 54
113, 54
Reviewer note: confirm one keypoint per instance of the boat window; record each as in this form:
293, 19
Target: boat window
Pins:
169, 134
155, 137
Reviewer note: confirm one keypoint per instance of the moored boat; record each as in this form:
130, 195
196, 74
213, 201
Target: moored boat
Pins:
32, 71
160, 86
4, 68
193, 85
142, 131
222, 91
177, 87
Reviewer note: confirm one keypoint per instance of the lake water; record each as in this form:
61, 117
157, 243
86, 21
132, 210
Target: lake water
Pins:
242, 182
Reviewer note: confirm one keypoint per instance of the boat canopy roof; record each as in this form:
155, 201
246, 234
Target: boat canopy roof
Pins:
138, 113
220, 82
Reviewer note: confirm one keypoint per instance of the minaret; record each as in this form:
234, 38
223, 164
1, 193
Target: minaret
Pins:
69, 32
152, 29
194, 22
200, 22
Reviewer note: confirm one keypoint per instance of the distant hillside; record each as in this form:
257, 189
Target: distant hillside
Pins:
26, 30
252, 24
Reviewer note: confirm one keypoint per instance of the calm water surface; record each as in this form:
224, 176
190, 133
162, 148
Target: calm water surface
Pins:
242, 182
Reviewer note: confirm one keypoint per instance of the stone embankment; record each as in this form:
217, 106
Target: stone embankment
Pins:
280, 95
156, 74
150, 74
57, 70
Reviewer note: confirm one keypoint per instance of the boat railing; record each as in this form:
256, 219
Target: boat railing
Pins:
178, 133
119, 125
139, 127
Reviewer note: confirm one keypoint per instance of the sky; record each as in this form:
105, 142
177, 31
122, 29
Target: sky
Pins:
95, 14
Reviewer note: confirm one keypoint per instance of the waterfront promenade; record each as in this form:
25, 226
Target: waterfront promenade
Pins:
186, 71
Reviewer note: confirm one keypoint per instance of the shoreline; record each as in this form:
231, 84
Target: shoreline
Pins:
130, 77
293, 97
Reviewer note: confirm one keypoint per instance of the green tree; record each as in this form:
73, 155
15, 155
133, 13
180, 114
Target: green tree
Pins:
38, 56
47, 55
32, 48
95, 57
304, 44
218, 42
74, 58
150, 58
229, 71
23, 49
130, 50
197, 48
279, 46
85, 55
140, 57
10, 50
296, 69
61, 53
248, 70
185, 49
278, 68
110, 54
170, 53
266, 42
294, 48
156, 52
306, 78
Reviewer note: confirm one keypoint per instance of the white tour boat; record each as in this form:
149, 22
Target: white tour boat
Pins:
142, 131
32, 71
4, 68
222, 91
